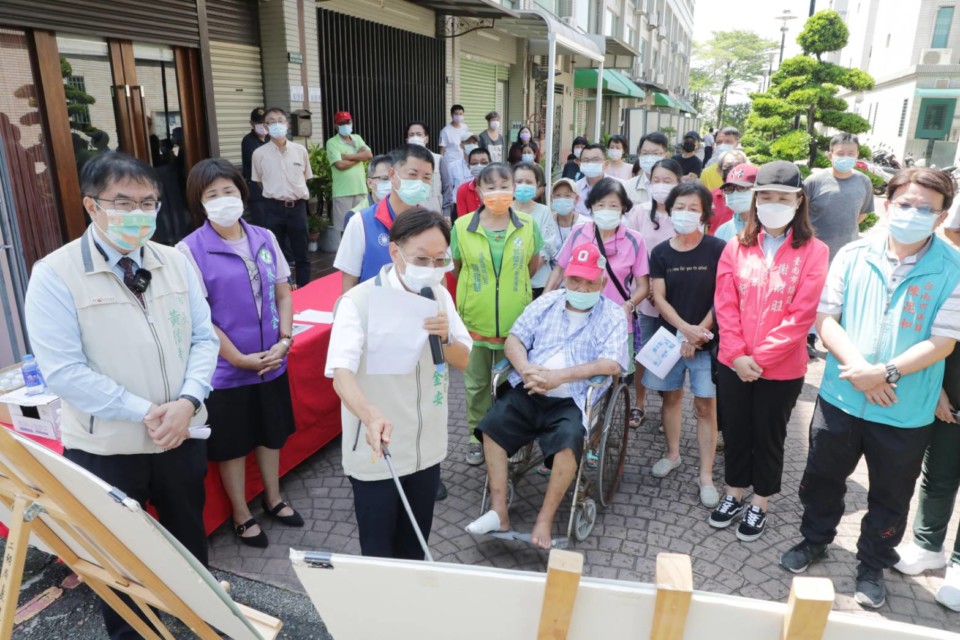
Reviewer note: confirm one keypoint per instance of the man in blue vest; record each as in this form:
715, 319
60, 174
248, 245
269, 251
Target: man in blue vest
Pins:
889, 315
378, 185
365, 245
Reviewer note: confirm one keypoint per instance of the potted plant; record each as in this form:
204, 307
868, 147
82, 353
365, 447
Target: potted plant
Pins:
315, 226
321, 184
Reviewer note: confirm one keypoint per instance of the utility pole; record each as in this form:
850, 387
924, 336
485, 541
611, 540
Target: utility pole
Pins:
813, 7
785, 17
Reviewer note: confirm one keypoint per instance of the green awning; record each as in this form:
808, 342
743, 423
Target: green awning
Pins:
665, 100
686, 106
937, 93
613, 82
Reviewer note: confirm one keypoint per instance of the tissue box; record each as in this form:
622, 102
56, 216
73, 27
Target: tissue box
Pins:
37, 415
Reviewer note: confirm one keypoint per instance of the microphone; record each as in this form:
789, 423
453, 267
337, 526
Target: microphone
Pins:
436, 349
141, 280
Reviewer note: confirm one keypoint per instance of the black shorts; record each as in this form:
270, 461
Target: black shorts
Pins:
518, 418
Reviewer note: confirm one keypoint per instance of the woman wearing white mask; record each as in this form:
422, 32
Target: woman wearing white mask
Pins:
563, 200
250, 407
524, 139
408, 412
653, 223
684, 275
617, 147
491, 139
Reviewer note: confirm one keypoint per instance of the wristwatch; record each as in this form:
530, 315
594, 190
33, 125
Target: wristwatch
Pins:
196, 403
893, 374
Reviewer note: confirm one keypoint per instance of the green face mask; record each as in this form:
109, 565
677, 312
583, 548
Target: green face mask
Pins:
582, 300
129, 230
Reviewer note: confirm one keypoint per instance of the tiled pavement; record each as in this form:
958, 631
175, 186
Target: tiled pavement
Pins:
647, 517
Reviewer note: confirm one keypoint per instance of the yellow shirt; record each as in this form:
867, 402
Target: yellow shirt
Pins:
283, 172
711, 177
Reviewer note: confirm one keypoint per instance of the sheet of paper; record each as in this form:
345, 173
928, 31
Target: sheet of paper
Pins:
300, 328
661, 352
395, 333
314, 316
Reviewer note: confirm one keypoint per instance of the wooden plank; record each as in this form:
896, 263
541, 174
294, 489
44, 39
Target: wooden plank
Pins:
563, 579
674, 581
13, 560
808, 608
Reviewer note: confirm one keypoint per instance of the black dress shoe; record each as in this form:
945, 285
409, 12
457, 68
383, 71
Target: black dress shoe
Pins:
260, 540
292, 520
441, 491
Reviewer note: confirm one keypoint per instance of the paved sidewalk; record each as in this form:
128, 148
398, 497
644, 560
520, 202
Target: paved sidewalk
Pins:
649, 516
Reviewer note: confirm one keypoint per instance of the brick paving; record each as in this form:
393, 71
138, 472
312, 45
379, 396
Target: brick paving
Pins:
647, 517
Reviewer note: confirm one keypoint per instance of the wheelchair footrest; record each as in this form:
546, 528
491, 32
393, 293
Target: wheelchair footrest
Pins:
559, 542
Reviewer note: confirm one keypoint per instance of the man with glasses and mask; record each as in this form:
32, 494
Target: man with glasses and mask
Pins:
727, 139
651, 150
364, 249
122, 333
592, 159
889, 315
408, 411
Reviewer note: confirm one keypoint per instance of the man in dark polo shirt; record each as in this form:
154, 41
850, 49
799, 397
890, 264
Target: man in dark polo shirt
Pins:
255, 138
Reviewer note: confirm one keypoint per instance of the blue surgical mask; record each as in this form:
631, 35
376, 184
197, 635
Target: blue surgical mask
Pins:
384, 187
413, 192
647, 161
739, 201
524, 192
909, 226
345, 129
527, 157
844, 164
591, 169
277, 130
582, 300
607, 219
562, 206
685, 221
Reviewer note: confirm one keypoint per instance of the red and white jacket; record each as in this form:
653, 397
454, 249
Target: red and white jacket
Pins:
766, 312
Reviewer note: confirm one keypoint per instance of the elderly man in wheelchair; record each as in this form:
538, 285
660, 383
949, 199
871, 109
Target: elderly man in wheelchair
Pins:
561, 341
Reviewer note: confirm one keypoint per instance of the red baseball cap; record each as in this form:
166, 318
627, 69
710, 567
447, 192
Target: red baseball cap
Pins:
342, 116
586, 262
742, 175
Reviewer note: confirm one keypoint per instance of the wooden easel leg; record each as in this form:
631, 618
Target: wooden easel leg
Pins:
13, 564
674, 593
808, 609
563, 579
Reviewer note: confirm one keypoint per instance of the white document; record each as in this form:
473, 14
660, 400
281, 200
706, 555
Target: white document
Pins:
661, 353
300, 328
395, 333
200, 432
315, 317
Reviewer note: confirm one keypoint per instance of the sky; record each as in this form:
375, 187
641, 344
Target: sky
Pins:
759, 16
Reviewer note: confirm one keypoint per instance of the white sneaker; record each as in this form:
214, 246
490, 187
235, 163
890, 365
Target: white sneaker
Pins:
914, 559
949, 592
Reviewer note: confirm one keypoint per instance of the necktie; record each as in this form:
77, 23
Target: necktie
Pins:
129, 269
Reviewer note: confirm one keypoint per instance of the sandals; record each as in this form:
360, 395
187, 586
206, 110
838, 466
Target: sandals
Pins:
592, 459
292, 520
260, 540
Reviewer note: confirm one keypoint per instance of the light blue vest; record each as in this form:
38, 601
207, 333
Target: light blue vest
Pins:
884, 324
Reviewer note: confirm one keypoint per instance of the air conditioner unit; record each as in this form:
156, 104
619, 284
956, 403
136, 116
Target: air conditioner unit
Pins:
653, 20
935, 56
660, 78
674, 47
565, 8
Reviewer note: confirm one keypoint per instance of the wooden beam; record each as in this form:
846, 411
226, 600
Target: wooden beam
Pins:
213, 137
674, 592
808, 609
14, 556
563, 579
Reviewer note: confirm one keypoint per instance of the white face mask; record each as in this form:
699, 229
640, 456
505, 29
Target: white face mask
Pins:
384, 187
614, 154
416, 277
418, 140
660, 191
468, 148
591, 169
685, 221
607, 219
722, 148
224, 211
494, 125
260, 129
577, 151
647, 161
775, 215
475, 169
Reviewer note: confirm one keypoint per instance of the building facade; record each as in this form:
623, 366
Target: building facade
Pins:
912, 50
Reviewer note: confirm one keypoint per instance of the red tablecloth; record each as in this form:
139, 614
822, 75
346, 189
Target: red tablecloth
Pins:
316, 407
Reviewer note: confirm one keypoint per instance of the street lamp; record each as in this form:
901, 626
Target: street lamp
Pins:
786, 17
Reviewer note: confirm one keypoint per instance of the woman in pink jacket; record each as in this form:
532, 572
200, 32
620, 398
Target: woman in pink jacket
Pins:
769, 282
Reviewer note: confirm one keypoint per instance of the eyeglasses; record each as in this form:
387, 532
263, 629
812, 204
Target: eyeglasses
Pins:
379, 178
424, 261
923, 209
127, 205
735, 188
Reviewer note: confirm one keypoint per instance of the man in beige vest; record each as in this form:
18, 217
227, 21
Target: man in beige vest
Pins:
122, 333
407, 412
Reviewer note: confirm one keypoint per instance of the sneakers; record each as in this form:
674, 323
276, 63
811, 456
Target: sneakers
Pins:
752, 524
914, 559
724, 515
664, 466
802, 555
871, 589
949, 592
475, 454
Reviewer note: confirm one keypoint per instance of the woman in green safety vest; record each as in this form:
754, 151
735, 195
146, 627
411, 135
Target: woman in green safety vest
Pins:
495, 251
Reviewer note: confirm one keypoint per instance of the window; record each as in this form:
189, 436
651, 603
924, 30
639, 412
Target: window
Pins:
903, 118
941, 28
936, 118
610, 23
79, 111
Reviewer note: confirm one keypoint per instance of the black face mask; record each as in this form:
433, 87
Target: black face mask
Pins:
689, 146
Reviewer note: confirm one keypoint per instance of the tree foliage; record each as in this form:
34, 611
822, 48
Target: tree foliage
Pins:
728, 59
803, 91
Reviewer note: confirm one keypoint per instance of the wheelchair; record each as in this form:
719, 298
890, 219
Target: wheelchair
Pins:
608, 415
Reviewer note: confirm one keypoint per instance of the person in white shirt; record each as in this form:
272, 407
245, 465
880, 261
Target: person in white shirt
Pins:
529, 184
653, 148
592, 159
452, 138
408, 412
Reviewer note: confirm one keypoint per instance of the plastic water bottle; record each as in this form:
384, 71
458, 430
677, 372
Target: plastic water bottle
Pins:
32, 376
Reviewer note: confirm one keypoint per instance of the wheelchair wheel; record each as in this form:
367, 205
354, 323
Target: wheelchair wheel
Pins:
584, 519
613, 445
485, 502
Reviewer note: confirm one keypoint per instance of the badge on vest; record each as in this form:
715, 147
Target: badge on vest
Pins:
383, 239
265, 256
518, 243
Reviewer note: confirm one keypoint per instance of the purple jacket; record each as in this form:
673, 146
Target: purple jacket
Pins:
232, 304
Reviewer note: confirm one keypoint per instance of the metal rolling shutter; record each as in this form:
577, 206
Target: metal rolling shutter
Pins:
478, 91
233, 21
237, 89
